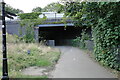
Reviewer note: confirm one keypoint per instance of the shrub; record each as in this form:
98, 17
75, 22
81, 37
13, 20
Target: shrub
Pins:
33, 15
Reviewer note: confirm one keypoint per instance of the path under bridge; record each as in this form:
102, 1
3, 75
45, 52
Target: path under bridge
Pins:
59, 33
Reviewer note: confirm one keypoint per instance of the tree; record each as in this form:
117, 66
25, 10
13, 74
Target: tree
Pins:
54, 7
37, 9
13, 10
33, 15
104, 20
10, 9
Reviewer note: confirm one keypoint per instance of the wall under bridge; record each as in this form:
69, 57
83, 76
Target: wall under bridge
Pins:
13, 27
55, 35
62, 34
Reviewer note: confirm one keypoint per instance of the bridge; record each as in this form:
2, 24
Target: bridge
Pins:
61, 33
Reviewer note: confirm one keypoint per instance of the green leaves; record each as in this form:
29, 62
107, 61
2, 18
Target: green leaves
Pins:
28, 25
33, 15
53, 7
13, 10
37, 9
104, 19
107, 35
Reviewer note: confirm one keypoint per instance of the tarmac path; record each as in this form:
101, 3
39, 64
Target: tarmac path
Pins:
75, 63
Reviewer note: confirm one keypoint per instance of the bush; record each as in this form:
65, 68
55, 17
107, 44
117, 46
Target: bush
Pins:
104, 20
80, 41
28, 37
19, 59
33, 15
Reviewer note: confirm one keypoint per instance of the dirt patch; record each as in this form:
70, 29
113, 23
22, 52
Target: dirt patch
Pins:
35, 71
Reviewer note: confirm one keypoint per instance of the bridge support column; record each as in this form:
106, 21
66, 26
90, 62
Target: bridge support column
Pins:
51, 42
36, 29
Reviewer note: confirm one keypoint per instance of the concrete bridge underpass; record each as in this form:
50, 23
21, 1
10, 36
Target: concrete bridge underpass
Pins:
60, 34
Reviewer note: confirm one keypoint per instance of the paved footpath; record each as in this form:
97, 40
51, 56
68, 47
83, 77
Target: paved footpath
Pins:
75, 63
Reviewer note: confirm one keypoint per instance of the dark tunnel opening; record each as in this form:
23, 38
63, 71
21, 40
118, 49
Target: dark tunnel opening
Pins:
59, 36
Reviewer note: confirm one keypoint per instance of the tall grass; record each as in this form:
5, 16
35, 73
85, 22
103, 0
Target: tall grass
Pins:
19, 59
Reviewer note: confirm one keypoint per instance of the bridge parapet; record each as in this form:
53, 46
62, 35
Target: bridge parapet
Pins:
58, 20
47, 21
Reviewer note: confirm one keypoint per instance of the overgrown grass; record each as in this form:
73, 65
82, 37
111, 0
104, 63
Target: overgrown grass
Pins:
19, 59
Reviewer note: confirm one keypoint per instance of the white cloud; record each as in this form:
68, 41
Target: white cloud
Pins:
28, 5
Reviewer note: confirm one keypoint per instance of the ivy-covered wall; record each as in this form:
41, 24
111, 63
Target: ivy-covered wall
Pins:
104, 20
106, 35
106, 40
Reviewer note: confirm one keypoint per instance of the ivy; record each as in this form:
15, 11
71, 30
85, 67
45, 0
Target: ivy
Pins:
106, 34
80, 41
104, 20
106, 44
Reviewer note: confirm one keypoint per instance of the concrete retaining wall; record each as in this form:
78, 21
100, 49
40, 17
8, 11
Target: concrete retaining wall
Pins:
89, 45
14, 27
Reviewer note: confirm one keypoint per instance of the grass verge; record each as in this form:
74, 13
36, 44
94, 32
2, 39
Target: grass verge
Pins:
19, 59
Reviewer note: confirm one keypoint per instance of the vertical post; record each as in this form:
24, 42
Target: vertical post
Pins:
4, 48
55, 17
36, 33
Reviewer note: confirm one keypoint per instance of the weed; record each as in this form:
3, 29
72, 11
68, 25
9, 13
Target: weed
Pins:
19, 59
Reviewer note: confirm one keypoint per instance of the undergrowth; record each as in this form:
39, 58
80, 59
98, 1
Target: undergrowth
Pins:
19, 59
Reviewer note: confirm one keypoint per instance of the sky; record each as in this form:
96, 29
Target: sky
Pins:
28, 5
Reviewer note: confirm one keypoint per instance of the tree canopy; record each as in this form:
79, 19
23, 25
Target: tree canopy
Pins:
53, 7
13, 10
33, 15
10, 9
104, 20
37, 9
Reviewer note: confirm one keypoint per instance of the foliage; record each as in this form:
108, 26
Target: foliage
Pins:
37, 9
33, 15
80, 41
53, 7
68, 1
104, 19
106, 32
13, 10
10, 9
29, 33
19, 59
29, 20
84, 36
72, 8
28, 37
76, 42
44, 17
29, 25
